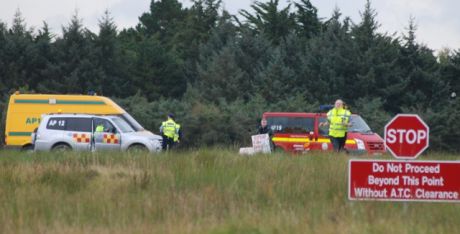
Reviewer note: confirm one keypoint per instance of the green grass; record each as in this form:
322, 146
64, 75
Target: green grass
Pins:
203, 191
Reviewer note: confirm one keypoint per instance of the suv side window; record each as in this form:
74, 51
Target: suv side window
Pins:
107, 126
57, 123
79, 124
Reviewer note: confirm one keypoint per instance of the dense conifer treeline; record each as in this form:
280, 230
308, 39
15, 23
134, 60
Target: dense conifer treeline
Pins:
218, 72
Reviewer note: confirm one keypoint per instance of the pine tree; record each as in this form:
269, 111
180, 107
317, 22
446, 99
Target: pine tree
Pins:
78, 68
378, 74
46, 59
450, 72
276, 80
221, 78
116, 81
306, 16
275, 23
420, 68
156, 71
19, 54
202, 18
3, 40
163, 20
365, 32
329, 65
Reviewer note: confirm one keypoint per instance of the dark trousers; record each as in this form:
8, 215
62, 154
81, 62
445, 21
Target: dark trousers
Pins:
167, 143
338, 143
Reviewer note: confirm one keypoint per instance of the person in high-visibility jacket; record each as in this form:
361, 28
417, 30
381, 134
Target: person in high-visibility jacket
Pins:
169, 130
99, 128
338, 119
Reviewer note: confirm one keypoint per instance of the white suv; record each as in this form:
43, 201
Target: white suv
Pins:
78, 132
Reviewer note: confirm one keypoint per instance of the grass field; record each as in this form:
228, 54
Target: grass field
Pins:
203, 191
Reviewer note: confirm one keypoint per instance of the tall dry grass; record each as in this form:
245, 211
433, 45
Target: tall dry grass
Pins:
202, 191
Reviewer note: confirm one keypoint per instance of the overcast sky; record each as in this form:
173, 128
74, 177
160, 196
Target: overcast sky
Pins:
437, 20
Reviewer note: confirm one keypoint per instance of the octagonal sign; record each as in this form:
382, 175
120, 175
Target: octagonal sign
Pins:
406, 136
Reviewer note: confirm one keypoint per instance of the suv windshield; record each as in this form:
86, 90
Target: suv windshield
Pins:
132, 122
122, 125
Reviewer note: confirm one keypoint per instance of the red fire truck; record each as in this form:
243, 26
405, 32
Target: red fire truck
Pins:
300, 132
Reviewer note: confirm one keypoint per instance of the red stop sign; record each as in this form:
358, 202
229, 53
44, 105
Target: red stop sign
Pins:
406, 136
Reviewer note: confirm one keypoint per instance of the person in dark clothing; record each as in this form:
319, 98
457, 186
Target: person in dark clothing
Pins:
265, 129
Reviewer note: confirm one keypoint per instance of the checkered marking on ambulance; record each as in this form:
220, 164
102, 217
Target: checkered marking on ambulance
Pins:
81, 138
110, 139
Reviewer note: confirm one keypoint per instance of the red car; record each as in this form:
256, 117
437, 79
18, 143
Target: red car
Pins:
300, 132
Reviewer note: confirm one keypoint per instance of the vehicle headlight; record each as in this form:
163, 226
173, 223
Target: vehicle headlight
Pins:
156, 144
155, 141
360, 144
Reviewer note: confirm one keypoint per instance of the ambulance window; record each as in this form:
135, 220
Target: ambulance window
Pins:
57, 123
107, 126
323, 130
291, 124
79, 124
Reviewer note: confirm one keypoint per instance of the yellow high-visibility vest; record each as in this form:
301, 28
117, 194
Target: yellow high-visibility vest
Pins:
338, 120
99, 128
169, 128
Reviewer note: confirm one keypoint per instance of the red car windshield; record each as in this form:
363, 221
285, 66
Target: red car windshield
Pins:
359, 125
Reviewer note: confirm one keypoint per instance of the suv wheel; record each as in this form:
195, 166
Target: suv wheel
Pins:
137, 148
61, 147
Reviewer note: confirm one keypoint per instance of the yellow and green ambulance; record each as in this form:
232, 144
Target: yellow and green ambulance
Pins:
25, 111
